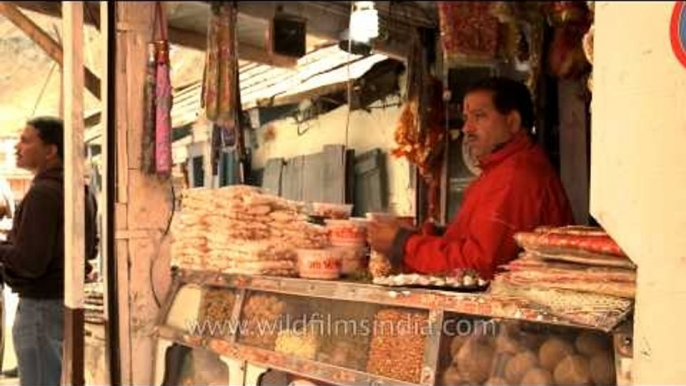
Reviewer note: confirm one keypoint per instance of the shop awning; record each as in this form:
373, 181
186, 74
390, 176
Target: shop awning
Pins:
320, 72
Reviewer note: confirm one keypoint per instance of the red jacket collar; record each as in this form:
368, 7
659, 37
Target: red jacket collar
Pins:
519, 141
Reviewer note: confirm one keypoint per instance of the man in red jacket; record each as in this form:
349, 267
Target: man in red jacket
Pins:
517, 190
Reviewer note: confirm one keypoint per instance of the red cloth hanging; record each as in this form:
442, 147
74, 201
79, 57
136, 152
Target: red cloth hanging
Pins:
163, 101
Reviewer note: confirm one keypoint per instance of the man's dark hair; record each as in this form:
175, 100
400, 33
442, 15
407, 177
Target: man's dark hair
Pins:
508, 95
50, 131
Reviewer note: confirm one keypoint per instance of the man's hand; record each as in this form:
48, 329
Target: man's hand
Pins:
381, 234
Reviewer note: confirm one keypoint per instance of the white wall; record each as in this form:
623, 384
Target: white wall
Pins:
638, 174
366, 131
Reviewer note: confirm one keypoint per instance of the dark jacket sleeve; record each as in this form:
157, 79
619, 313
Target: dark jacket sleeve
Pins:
35, 244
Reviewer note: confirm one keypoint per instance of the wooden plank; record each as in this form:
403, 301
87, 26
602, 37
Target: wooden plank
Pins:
293, 179
198, 41
271, 179
122, 119
371, 186
287, 182
125, 341
299, 166
111, 348
349, 175
313, 178
136, 53
334, 174
74, 346
74, 154
186, 38
574, 149
74, 219
44, 41
120, 218
105, 194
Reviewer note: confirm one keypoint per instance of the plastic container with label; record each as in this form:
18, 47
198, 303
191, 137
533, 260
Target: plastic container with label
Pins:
351, 232
319, 263
335, 211
353, 258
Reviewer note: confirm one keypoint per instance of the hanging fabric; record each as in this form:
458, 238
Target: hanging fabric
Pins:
221, 90
220, 99
163, 99
148, 141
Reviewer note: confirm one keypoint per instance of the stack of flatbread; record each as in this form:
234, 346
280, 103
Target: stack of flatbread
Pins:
242, 230
583, 259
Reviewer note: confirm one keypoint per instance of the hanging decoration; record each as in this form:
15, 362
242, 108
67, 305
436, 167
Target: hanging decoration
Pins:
219, 96
469, 31
588, 51
521, 40
420, 131
148, 141
156, 141
221, 88
570, 20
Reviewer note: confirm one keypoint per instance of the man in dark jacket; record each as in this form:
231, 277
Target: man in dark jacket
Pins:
33, 259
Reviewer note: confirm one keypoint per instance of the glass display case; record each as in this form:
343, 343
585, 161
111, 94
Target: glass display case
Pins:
346, 333
482, 351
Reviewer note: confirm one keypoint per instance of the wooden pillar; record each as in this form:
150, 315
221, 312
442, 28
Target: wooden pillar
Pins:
74, 228
142, 206
574, 158
105, 214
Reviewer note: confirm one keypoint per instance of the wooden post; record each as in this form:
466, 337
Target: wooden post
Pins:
74, 228
112, 347
143, 204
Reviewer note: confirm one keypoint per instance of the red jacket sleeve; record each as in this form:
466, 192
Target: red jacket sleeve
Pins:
486, 241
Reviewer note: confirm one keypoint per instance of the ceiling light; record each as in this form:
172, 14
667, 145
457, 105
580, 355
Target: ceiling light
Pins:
364, 21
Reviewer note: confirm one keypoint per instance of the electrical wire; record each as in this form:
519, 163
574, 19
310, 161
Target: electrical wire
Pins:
173, 209
45, 86
155, 296
350, 90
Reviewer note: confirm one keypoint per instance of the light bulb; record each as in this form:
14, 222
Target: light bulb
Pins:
364, 21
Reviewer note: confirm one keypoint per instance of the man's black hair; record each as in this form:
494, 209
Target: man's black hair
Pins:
508, 95
50, 131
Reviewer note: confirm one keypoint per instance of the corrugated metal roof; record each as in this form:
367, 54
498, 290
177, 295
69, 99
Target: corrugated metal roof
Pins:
261, 83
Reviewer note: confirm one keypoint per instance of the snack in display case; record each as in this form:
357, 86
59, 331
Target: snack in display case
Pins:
303, 343
217, 308
397, 344
258, 311
500, 352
